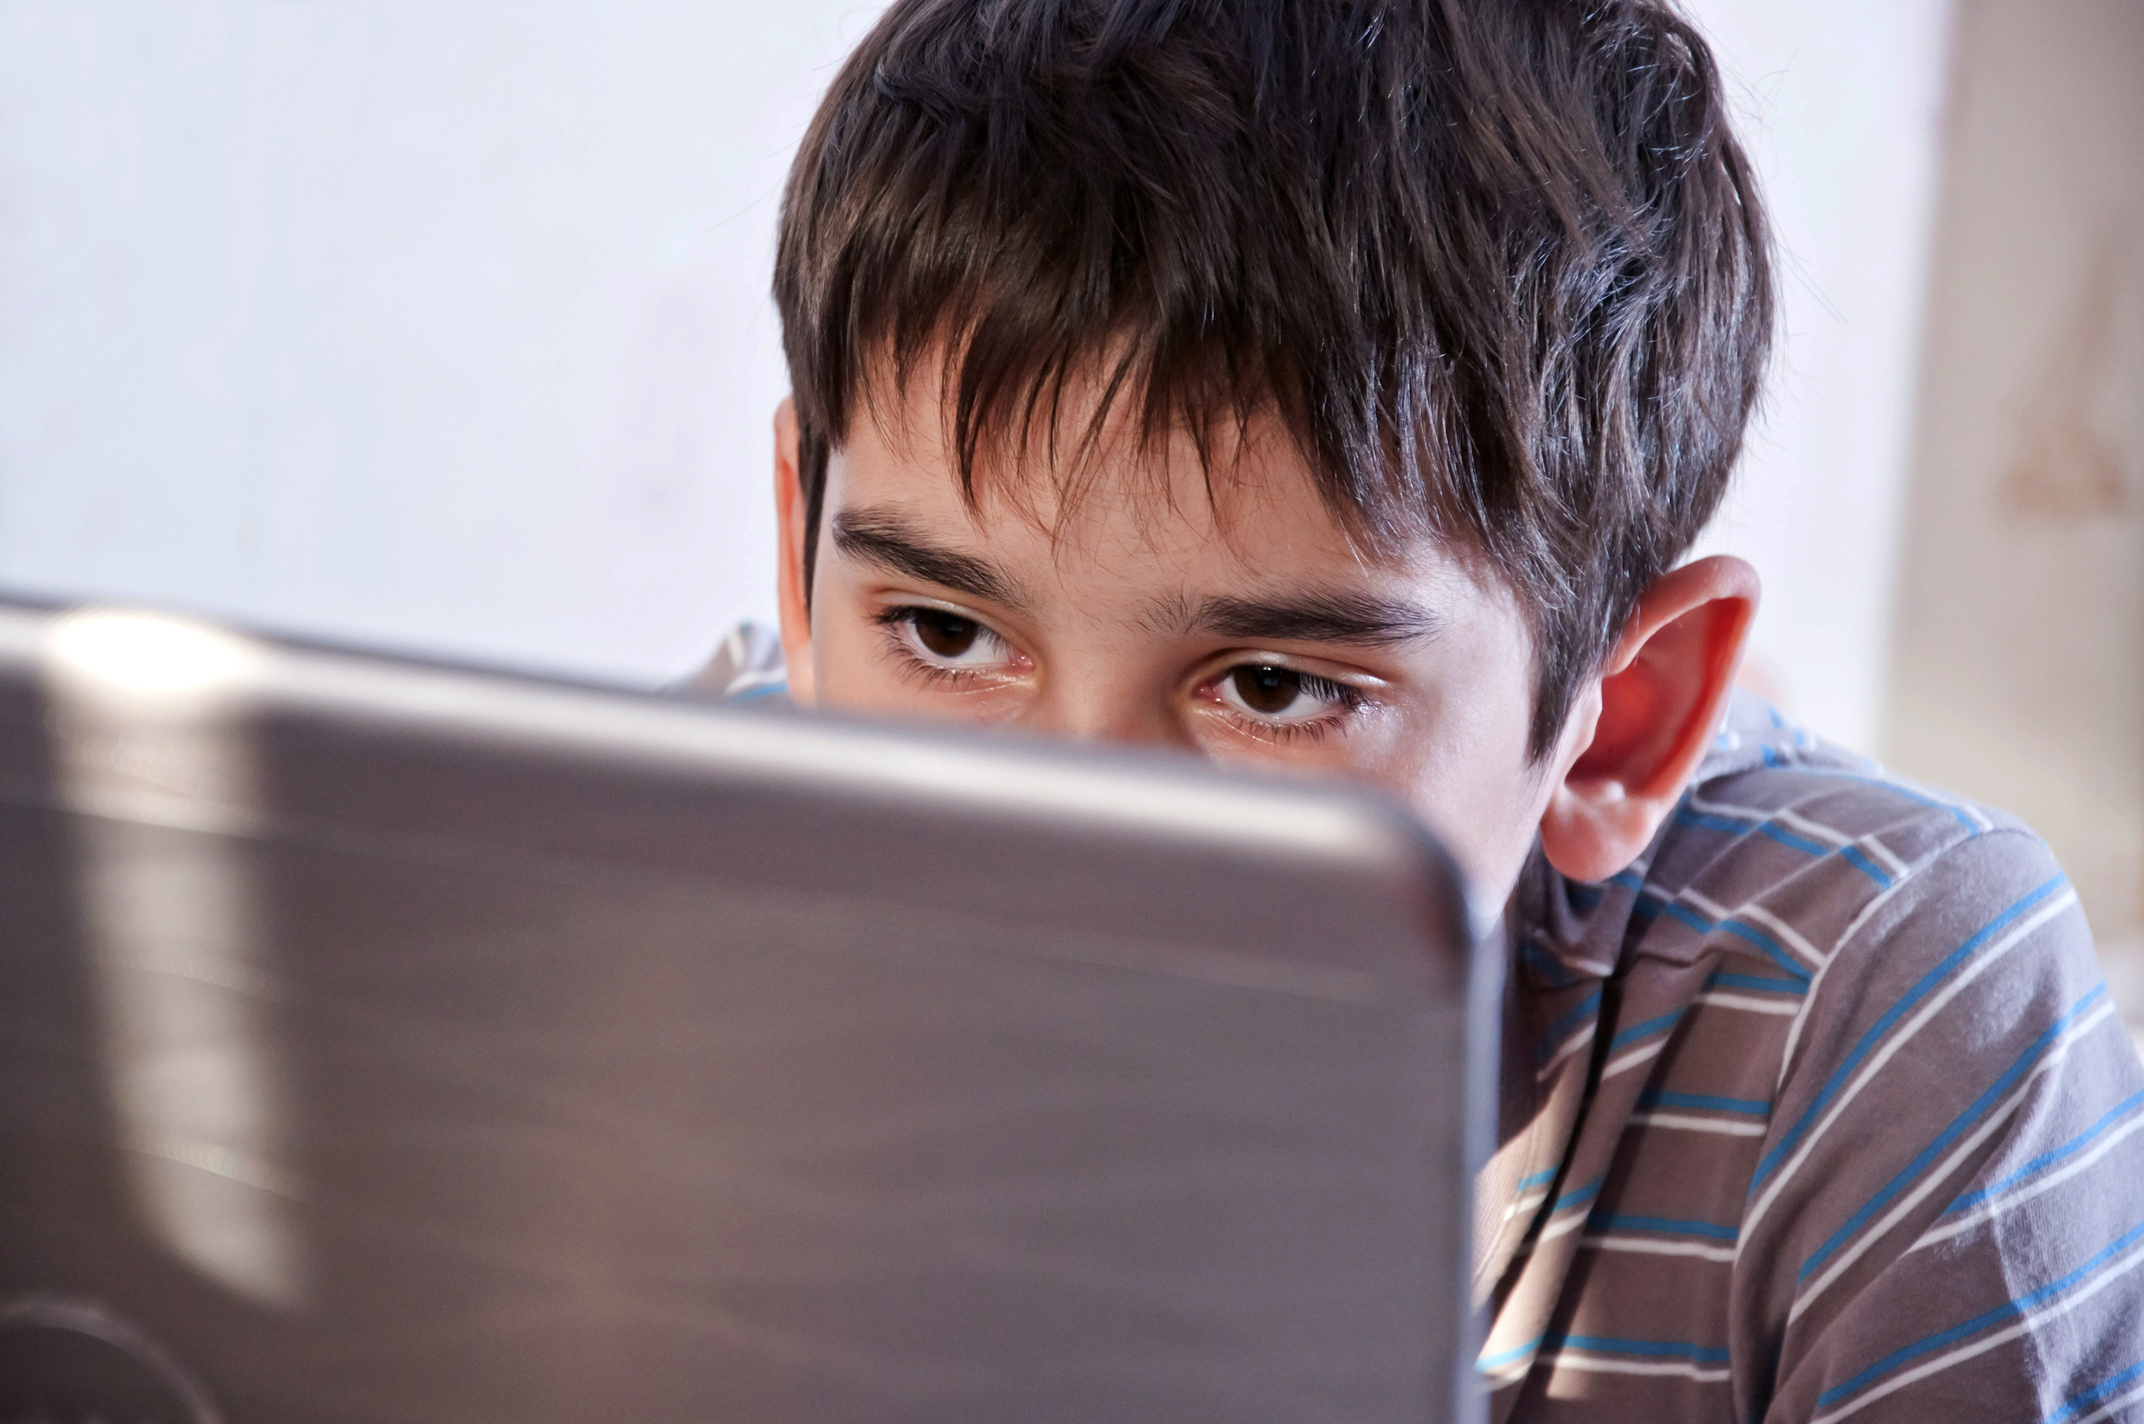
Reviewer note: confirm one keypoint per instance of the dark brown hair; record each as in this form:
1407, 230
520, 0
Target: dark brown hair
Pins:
1499, 265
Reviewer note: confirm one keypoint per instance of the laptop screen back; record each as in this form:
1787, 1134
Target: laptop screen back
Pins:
383, 1041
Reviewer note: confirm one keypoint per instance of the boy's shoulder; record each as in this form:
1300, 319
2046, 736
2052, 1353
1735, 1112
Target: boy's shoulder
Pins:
1861, 1093
1814, 859
1911, 915
1768, 776
1920, 934
1837, 859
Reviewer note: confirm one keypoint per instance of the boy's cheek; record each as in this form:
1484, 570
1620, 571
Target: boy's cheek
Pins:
854, 671
1244, 751
848, 674
1490, 842
1469, 779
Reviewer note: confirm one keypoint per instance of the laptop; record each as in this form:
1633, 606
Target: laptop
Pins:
389, 1042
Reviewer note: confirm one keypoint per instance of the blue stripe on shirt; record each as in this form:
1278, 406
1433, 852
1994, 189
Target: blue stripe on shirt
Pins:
1890, 1017
1733, 825
1896, 790
1738, 826
1764, 942
2007, 1310
1567, 1024
2033, 1053
1667, 1226
1860, 861
1578, 1197
1645, 1030
2123, 1109
1510, 1356
1654, 1098
2086, 1397
1653, 1349
1723, 980
1547, 967
1770, 947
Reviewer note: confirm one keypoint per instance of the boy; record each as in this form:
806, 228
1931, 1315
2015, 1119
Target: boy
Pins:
1336, 384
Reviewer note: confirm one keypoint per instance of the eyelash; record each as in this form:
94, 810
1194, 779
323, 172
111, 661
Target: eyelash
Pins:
1346, 701
914, 664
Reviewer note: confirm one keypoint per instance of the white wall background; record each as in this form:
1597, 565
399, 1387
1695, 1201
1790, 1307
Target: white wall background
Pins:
2019, 675
437, 322
443, 322
1842, 104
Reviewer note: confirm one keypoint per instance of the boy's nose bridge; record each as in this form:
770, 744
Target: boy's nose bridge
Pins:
1092, 706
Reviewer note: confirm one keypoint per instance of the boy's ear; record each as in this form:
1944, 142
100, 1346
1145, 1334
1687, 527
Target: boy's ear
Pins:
1653, 713
789, 509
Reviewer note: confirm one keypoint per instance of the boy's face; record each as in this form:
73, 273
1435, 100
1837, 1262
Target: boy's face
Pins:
1243, 627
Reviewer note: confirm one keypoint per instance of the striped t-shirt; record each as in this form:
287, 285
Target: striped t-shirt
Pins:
1819, 1111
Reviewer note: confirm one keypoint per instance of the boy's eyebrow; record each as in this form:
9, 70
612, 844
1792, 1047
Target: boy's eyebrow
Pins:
1316, 618
882, 538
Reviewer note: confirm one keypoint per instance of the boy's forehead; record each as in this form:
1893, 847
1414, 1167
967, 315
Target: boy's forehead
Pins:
1092, 487
1176, 538
1086, 496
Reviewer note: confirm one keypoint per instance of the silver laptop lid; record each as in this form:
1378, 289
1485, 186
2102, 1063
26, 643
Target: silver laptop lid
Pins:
382, 1040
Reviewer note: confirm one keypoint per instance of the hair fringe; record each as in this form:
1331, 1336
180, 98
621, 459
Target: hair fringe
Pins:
1499, 267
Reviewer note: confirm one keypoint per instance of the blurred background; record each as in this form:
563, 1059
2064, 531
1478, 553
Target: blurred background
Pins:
442, 324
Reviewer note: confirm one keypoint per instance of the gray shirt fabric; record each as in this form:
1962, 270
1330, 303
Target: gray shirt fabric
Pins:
1819, 1111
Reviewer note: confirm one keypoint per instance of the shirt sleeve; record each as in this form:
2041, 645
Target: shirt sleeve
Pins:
747, 667
1947, 1221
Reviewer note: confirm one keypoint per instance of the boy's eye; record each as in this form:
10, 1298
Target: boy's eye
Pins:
1281, 694
945, 640
946, 634
1269, 690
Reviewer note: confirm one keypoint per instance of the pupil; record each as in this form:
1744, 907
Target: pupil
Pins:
945, 634
1268, 689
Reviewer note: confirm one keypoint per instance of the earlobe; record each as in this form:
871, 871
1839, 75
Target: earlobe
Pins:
1638, 735
790, 513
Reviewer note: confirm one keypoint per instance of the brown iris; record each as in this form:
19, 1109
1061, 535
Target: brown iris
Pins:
1267, 689
946, 634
